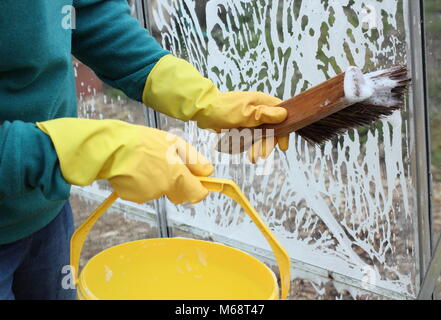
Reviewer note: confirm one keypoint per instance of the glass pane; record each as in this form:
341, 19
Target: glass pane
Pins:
125, 221
433, 47
347, 207
433, 34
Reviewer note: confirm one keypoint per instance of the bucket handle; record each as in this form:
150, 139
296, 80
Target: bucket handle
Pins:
226, 187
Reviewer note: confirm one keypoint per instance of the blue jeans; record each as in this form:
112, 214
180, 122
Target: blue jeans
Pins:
32, 268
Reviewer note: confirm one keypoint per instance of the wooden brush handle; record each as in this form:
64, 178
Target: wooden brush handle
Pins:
304, 109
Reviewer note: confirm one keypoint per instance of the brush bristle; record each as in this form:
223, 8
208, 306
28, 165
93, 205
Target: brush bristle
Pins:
360, 114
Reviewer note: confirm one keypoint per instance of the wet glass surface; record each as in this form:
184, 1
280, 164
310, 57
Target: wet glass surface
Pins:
433, 48
348, 206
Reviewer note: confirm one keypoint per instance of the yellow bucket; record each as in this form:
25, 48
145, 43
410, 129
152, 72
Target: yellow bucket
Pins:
178, 268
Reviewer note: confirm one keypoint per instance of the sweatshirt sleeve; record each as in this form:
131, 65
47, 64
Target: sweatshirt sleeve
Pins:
28, 161
113, 43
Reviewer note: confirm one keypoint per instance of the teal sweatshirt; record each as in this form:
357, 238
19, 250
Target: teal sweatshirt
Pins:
37, 84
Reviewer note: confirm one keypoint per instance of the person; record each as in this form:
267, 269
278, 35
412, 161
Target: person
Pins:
45, 148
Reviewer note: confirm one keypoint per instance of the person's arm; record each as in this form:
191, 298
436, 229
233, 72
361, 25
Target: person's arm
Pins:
112, 42
140, 163
126, 56
28, 161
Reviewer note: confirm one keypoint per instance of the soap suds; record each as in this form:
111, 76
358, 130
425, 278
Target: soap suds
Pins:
357, 87
374, 88
383, 87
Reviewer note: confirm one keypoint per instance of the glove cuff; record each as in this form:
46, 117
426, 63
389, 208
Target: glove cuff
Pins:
86, 147
176, 88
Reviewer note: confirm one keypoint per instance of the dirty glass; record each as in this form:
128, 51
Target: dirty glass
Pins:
433, 48
125, 221
344, 211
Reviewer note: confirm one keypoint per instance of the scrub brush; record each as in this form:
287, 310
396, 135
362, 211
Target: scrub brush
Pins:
347, 101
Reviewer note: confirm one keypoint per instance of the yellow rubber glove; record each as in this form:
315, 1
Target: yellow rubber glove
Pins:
174, 87
141, 163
